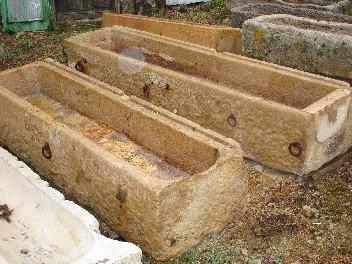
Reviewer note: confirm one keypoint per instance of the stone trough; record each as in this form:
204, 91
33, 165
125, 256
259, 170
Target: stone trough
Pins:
40, 226
287, 119
242, 13
306, 44
219, 38
159, 180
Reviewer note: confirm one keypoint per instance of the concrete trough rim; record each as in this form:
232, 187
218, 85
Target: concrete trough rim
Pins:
101, 247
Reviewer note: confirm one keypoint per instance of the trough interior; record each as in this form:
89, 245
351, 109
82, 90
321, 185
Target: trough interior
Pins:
240, 76
153, 146
39, 231
345, 29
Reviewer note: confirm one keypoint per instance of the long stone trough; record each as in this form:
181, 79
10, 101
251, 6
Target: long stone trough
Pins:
301, 43
220, 38
284, 118
242, 13
159, 180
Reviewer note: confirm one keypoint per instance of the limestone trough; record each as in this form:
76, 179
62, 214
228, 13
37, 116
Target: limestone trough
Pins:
39, 226
157, 179
219, 38
306, 44
287, 119
242, 13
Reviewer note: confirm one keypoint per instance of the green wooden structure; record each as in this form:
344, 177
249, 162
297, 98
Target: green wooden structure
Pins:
26, 15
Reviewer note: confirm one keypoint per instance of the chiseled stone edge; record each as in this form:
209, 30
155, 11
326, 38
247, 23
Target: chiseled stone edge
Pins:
103, 248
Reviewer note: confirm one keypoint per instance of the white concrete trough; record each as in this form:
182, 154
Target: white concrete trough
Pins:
37, 224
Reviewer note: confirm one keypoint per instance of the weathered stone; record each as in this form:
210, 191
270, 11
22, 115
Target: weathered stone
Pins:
284, 118
305, 44
242, 13
216, 37
159, 180
330, 4
43, 227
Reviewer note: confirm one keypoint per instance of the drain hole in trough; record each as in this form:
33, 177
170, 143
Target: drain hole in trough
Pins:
46, 151
295, 149
231, 120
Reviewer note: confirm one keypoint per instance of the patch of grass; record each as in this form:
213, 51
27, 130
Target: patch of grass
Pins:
2, 51
10, 53
199, 16
56, 38
26, 44
214, 254
217, 4
192, 257
279, 258
221, 255
86, 30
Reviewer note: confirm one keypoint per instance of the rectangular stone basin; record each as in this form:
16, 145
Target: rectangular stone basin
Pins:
220, 38
40, 226
241, 14
301, 43
284, 118
159, 180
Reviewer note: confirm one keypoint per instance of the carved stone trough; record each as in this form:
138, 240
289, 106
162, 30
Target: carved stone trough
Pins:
284, 118
242, 13
159, 180
219, 38
39, 226
301, 43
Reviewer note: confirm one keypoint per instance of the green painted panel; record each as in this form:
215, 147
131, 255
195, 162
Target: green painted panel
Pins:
24, 15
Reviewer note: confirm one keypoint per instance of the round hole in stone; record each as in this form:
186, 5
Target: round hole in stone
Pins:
146, 91
231, 120
295, 149
46, 151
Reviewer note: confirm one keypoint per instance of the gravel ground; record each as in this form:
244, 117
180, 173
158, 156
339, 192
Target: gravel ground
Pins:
22, 48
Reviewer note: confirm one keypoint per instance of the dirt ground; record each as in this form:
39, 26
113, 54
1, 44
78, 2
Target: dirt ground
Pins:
22, 48
290, 219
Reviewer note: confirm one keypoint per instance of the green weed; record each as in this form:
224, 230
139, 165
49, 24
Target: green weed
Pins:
25, 44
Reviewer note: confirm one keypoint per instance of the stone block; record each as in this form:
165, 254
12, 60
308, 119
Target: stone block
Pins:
277, 114
155, 178
314, 46
240, 14
219, 38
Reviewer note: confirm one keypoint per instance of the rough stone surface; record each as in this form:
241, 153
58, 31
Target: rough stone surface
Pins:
331, 4
305, 44
157, 179
216, 37
242, 13
268, 109
43, 227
